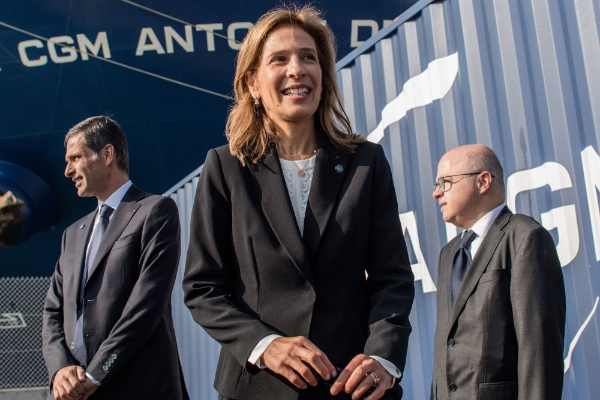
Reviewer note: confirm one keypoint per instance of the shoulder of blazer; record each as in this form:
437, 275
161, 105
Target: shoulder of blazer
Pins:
225, 156
516, 224
226, 161
368, 147
145, 202
367, 150
519, 226
223, 151
521, 221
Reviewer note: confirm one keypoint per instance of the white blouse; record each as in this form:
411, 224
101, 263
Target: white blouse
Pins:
298, 186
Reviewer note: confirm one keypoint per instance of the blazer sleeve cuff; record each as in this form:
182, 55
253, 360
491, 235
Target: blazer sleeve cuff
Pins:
93, 379
260, 348
390, 368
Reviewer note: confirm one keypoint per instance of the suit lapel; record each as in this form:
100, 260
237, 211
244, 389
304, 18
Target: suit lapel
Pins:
84, 231
482, 258
445, 277
123, 214
331, 165
277, 207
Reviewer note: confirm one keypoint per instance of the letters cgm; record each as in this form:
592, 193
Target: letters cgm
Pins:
62, 50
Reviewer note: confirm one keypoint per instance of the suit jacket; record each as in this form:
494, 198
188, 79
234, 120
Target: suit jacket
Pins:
250, 273
504, 337
128, 327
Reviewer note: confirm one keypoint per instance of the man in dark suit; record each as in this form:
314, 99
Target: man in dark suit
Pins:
501, 317
107, 328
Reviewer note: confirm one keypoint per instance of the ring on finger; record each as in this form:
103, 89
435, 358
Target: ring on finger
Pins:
376, 379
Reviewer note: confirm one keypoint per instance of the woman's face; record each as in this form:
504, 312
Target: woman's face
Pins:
288, 78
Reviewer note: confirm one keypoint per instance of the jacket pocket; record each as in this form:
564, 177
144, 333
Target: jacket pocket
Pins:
499, 391
124, 241
492, 275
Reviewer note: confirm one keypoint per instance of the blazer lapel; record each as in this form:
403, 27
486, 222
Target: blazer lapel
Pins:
123, 214
277, 207
480, 262
331, 165
445, 277
84, 231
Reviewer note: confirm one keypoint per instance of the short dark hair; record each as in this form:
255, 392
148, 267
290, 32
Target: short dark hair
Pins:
99, 131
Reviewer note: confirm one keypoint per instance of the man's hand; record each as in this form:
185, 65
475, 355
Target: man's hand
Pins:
90, 387
67, 383
285, 356
355, 378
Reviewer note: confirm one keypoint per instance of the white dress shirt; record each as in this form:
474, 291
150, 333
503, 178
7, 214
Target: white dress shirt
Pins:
481, 228
298, 186
113, 201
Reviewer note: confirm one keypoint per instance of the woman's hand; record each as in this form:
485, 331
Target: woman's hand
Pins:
355, 378
286, 356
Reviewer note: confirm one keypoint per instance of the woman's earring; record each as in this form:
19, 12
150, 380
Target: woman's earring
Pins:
256, 103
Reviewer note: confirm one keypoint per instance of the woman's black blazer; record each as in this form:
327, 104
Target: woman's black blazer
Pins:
250, 272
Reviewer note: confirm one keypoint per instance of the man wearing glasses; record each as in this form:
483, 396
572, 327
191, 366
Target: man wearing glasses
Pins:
501, 297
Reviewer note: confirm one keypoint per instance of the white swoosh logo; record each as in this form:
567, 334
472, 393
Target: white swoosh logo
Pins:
432, 84
577, 335
12, 320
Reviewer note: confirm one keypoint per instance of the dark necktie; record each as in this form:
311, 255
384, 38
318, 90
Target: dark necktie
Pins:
79, 345
461, 263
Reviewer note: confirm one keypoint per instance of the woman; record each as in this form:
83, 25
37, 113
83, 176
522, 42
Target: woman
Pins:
287, 218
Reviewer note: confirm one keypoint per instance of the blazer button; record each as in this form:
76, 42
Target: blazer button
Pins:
451, 342
113, 356
72, 345
452, 387
105, 368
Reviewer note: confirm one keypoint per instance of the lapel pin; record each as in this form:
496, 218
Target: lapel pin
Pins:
81, 226
339, 168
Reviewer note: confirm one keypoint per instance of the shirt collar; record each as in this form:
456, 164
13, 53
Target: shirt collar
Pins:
482, 226
114, 199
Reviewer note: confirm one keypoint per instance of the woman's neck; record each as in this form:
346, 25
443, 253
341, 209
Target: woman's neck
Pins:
299, 143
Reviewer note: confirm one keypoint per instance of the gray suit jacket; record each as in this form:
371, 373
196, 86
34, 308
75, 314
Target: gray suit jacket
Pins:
504, 338
250, 273
128, 327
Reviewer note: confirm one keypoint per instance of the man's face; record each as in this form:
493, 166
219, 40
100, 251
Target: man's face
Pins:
457, 203
89, 173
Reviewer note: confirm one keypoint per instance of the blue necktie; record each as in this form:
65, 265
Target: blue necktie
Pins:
79, 345
461, 263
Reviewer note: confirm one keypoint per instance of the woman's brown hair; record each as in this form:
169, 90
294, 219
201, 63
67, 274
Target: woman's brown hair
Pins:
249, 131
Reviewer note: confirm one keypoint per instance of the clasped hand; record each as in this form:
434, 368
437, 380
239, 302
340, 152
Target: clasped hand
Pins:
71, 383
287, 356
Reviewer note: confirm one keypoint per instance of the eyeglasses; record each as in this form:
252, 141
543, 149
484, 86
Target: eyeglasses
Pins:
445, 185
